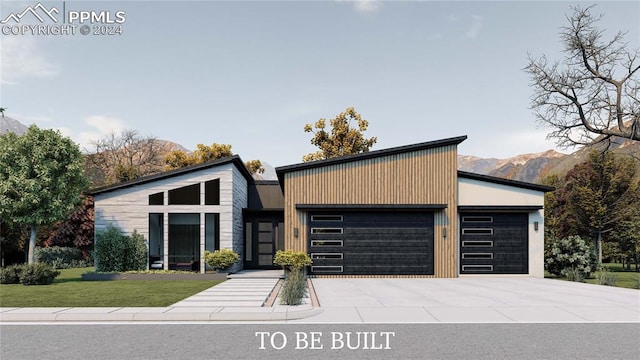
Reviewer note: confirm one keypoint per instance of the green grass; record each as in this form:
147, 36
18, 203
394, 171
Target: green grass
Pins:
68, 290
624, 278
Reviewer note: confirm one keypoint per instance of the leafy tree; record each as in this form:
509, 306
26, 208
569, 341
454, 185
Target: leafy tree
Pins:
203, 153
41, 178
125, 156
76, 230
594, 198
2, 110
593, 92
342, 139
255, 166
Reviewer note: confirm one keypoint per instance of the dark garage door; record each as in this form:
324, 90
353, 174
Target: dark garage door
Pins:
371, 243
494, 243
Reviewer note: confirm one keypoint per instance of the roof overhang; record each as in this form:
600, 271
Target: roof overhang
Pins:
502, 181
373, 207
235, 159
500, 208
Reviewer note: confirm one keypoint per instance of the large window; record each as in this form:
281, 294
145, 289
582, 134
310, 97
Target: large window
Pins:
156, 199
156, 237
187, 195
212, 232
212, 192
184, 241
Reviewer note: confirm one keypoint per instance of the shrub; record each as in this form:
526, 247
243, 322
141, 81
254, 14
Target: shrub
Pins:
60, 257
292, 259
10, 274
606, 277
38, 274
573, 274
570, 254
221, 259
116, 252
294, 288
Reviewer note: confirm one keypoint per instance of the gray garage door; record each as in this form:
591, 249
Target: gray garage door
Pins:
371, 243
494, 243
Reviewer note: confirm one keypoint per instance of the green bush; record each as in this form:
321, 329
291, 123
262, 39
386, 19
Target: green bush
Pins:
606, 277
116, 252
221, 259
570, 254
38, 274
294, 288
573, 274
61, 257
10, 274
292, 259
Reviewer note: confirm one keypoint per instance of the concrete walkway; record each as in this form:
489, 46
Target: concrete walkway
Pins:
238, 292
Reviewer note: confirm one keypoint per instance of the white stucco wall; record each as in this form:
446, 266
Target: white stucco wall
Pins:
129, 208
473, 192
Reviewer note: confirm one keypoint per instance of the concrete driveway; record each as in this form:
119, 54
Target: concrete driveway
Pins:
477, 299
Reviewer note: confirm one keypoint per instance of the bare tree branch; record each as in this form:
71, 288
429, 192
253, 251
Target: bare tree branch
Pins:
584, 100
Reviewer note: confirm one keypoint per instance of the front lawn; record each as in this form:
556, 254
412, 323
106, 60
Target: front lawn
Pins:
624, 278
68, 290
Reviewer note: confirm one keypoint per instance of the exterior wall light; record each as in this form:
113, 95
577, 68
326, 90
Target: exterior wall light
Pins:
535, 225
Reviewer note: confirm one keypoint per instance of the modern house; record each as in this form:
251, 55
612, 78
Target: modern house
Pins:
403, 211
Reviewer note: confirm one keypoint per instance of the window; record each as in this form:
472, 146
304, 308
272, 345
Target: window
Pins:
326, 230
327, 269
487, 268
477, 231
212, 192
326, 242
211, 232
326, 217
187, 195
477, 219
326, 256
156, 199
472, 243
477, 255
156, 237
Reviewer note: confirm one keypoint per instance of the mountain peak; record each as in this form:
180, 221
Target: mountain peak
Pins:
8, 124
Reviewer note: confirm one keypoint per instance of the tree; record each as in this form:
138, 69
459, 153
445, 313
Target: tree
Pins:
41, 178
593, 92
127, 156
594, 199
2, 110
342, 140
255, 166
203, 153
76, 230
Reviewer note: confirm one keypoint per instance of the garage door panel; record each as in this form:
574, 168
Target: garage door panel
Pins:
374, 243
495, 243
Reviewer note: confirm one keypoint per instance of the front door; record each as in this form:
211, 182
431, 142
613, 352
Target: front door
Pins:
263, 237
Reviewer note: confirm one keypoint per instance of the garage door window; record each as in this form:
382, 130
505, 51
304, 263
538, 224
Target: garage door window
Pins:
326, 230
478, 231
326, 218
326, 243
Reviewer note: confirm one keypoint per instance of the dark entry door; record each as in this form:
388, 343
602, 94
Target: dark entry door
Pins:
263, 237
371, 243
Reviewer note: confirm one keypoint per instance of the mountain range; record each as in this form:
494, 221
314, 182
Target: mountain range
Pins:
527, 167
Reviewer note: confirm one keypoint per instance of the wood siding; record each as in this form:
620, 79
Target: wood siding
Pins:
420, 177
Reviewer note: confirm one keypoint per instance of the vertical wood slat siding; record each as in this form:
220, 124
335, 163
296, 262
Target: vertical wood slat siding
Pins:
422, 177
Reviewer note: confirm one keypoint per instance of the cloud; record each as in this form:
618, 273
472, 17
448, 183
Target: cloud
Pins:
367, 6
476, 25
22, 57
100, 126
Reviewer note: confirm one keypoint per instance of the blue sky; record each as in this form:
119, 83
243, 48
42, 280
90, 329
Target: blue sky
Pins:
251, 74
